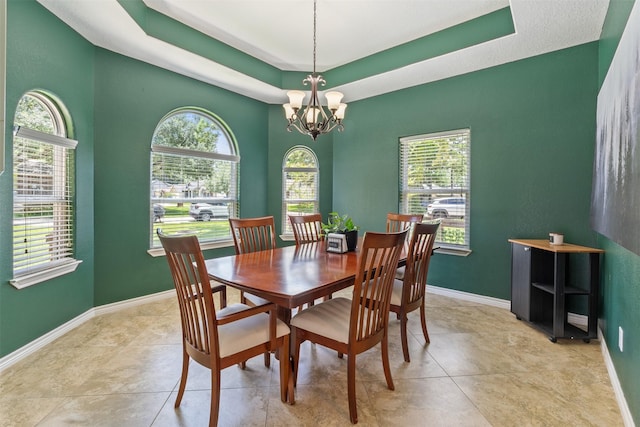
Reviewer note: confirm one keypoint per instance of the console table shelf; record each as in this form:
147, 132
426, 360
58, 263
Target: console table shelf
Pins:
539, 288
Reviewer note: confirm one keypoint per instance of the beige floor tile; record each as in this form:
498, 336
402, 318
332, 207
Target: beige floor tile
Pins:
20, 412
139, 409
323, 404
238, 407
555, 398
421, 402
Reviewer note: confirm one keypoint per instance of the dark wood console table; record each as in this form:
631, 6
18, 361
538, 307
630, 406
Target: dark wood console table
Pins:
539, 288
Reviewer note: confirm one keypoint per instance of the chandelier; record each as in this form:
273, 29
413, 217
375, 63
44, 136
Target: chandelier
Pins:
314, 119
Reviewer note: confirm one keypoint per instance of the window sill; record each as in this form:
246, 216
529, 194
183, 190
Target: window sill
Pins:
287, 238
44, 275
156, 252
453, 251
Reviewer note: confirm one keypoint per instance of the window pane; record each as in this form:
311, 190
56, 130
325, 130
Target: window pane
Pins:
192, 193
435, 182
299, 185
192, 131
43, 190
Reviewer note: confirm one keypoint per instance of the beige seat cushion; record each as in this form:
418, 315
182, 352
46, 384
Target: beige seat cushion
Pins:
256, 300
245, 333
400, 273
396, 292
329, 319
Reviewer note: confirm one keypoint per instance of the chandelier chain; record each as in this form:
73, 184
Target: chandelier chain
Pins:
314, 36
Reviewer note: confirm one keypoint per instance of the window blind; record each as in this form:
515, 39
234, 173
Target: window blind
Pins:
43, 193
434, 181
299, 186
179, 183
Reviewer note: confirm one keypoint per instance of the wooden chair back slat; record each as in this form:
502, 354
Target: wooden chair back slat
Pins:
418, 258
373, 284
195, 297
253, 234
399, 222
306, 228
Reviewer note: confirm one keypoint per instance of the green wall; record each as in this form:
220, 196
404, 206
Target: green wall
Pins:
131, 98
43, 53
532, 140
621, 271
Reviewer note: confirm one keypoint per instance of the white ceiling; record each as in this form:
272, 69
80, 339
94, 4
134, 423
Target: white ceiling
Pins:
280, 32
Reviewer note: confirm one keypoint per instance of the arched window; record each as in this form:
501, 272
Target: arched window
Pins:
43, 192
300, 184
194, 176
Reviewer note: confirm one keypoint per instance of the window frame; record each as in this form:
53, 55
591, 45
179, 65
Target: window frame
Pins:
234, 157
287, 231
405, 192
63, 192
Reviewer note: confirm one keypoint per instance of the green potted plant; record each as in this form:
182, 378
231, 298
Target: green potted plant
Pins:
342, 224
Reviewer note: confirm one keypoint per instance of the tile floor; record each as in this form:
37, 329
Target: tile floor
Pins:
482, 368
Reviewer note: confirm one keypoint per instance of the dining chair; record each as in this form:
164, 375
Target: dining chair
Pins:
352, 326
408, 294
398, 222
306, 228
214, 338
253, 235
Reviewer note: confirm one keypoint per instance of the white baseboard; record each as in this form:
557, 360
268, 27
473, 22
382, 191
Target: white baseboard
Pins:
573, 318
627, 419
56, 333
43, 340
116, 306
466, 296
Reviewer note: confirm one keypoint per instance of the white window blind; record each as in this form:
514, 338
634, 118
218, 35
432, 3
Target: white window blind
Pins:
434, 181
300, 195
194, 177
43, 208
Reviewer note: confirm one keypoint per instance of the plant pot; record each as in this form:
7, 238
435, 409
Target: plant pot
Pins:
352, 240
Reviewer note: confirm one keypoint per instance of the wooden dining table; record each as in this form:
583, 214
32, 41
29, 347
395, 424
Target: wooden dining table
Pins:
289, 276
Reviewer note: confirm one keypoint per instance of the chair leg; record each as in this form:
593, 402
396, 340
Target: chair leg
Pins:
423, 320
286, 393
385, 362
183, 377
351, 387
223, 298
267, 359
296, 356
403, 336
215, 398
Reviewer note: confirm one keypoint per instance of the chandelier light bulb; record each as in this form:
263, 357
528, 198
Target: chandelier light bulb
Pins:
333, 100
